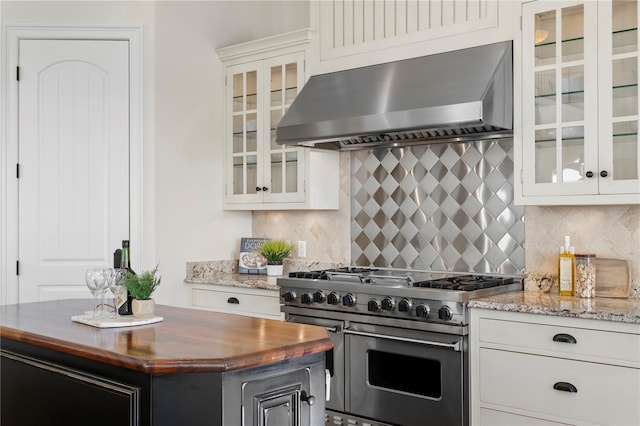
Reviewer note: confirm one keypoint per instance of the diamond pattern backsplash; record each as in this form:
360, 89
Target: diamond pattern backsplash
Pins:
440, 207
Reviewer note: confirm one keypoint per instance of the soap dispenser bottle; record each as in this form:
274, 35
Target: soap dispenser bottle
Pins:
565, 268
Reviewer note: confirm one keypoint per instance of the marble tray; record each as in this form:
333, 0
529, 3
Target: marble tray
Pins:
125, 321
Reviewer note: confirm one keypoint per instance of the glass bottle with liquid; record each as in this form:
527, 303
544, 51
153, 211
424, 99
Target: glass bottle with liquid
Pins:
566, 261
125, 263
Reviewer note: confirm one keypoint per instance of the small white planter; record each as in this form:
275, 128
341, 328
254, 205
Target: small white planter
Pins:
274, 270
143, 308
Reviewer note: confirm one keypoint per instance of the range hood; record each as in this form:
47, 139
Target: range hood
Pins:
454, 96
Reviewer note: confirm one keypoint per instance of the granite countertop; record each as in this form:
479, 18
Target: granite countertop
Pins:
225, 272
234, 279
599, 308
186, 341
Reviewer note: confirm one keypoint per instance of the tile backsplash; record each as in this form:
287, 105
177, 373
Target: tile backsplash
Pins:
445, 206
607, 231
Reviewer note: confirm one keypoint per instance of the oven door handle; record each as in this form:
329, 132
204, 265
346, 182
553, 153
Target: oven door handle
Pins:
455, 346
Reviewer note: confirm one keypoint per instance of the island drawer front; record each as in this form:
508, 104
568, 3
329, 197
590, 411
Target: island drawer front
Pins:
526, 382
237, 302
571, 342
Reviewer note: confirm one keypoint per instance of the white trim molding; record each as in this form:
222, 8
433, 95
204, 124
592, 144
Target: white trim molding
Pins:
11, 36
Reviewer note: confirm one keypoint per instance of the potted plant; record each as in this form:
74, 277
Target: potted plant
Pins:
141, 287
275, 251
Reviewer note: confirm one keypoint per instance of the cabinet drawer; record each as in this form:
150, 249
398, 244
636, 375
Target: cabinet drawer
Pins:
597, 345
261, 305
500, 418
605, 394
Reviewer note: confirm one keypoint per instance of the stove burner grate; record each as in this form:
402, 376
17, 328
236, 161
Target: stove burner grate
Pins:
325, 273
465, 283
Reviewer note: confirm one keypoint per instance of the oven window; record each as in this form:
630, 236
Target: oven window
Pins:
405, 373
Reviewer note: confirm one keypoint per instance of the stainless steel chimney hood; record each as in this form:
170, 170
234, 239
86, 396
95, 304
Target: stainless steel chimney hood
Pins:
454, 96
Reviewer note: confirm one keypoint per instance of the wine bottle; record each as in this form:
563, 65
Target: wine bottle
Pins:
125, 263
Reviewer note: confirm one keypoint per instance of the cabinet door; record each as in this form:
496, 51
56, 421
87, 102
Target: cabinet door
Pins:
244, 170
284, 171
35, 392
560, 139
618, 97
278, 400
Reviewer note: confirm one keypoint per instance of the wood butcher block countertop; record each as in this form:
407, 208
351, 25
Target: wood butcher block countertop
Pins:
185, 341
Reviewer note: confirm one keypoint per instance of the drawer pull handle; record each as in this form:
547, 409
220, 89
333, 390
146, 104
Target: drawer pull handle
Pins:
233, 301
564, 338
565, 387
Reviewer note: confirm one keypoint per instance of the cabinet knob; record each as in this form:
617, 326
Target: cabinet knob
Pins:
309, 399
604, 173
258, 189
264, 188
589, 174
565, 387
233, 301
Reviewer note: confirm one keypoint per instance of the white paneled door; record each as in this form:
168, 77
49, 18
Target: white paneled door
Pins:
73, 153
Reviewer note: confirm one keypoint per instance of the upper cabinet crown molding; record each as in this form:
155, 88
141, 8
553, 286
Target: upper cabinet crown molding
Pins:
264, 46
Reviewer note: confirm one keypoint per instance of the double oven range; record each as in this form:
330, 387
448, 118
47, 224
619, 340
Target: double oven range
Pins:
400, 353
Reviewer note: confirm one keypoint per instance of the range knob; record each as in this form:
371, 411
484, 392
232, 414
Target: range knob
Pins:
319, 297
444, 313
422, 311
289, 296
333, 298
404, 305
388, 304
349, 300
373, 305
306, 299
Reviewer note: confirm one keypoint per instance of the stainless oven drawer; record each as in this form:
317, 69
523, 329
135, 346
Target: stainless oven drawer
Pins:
405, 378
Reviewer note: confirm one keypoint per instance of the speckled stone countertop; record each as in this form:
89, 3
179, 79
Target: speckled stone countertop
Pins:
233, 279
225, 272
599, 308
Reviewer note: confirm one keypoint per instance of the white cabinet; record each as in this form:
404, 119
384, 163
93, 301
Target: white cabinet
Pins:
262, 78
579, 103
529, 369
254, 302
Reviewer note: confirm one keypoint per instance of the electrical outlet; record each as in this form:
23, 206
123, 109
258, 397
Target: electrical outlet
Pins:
302, 249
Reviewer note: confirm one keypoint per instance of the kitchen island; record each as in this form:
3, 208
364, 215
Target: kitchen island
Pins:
192, 368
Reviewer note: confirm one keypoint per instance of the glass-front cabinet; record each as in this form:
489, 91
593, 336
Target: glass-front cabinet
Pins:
580, 102
261, 174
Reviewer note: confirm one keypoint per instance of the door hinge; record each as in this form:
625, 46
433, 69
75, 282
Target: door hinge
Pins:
17, 170
17, 267
18, 73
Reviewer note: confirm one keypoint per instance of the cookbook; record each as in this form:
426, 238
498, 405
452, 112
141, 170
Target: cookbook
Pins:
252, 262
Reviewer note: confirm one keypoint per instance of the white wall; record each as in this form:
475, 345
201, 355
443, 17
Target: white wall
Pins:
183, 218
191, 224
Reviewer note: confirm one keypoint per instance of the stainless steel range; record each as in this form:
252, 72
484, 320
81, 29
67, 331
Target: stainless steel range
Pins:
400, 340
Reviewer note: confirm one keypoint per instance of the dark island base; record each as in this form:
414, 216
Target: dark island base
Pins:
41, 387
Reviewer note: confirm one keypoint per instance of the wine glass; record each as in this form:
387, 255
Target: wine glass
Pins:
109, 275
119, 291
100, 277
90, 277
